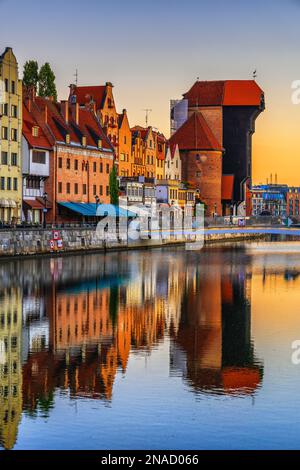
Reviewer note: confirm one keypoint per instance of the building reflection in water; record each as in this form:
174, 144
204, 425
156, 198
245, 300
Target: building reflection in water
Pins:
70, 324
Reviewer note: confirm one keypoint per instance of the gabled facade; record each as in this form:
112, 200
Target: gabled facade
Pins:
138, 155
36, 151
80, 162
125, 145
172, 163
10, 139
161, 142
102, 100
146, 149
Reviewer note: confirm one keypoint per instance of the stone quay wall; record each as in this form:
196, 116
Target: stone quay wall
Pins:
20, 242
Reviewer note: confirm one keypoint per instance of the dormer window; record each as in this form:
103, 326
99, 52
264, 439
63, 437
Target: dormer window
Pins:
99, 143
35, 131
67, 138
83, 141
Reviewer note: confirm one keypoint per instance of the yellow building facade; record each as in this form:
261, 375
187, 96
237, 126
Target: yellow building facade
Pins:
10, 139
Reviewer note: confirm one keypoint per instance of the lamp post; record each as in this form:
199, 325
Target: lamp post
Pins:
97, 199
45, 195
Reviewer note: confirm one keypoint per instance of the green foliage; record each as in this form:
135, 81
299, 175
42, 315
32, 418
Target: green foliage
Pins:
47, 85
114, 187
31, 74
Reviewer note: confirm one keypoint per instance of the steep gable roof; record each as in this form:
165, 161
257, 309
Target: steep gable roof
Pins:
85, 94
225, 93
40, 141
195, 134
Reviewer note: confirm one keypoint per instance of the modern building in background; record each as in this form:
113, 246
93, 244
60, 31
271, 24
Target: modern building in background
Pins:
269, 200
11, 137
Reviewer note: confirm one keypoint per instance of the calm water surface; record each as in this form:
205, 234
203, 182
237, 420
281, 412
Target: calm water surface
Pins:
154, 349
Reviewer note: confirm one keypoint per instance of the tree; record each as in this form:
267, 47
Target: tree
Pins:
47, 85
31, 74
114, 187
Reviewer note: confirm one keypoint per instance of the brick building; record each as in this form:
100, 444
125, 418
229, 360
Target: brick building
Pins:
228, 109
80, 161
201, 160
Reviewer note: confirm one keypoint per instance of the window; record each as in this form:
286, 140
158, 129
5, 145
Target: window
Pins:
107, 190
76, 188
68, 188
33, 182
94, 190
2, 183
84, 189
9, 183
60, 162
6, 85
4, 158
125, 139
13, 87
4, 133
60, 187
5, 109
101, 167
68, 164
107, 168
14, 111
94, 167
14, 135
14, 159
38, 157
101, 190
15, 184
76, 165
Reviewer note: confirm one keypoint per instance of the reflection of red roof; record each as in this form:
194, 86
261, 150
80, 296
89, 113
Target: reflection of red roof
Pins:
225, 93
29, 122
240, 379
227, 187
195, 134
85, 94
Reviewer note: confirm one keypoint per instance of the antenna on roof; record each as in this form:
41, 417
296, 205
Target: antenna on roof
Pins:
147, 111
255, 74
76, 77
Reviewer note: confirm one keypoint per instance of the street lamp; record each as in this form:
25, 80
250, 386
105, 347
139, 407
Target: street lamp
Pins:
45, 195
97, 203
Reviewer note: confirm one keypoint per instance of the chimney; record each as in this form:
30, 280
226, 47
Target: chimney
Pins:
65, 110
46, 114
75, 112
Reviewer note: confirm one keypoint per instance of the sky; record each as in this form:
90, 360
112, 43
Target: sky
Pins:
154, 51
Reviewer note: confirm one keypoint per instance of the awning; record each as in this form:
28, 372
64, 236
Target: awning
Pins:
33, 204
4, 203
227, 187
88, 209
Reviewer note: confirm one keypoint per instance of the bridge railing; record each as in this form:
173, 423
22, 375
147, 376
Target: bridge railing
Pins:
235, 221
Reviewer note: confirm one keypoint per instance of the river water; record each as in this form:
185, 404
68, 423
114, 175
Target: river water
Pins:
161, 349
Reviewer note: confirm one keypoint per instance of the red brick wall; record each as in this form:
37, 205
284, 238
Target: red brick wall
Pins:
207, 177
82, 176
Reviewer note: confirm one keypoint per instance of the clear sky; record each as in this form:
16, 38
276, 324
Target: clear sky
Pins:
153, 51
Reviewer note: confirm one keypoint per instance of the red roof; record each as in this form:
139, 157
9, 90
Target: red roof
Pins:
227, 187
88, 124
29, 122
84, 94
225, 93
195, 134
